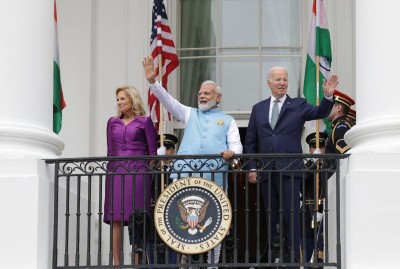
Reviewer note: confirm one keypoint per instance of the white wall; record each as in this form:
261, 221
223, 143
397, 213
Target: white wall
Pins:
75, 34
102, 44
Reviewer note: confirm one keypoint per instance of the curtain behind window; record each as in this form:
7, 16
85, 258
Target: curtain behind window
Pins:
197, 32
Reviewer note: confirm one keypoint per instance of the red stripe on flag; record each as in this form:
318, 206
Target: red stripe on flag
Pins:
58, 97
63, 103
314, 7
161, 33
55, 11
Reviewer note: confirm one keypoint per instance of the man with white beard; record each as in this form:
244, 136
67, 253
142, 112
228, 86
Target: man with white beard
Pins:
207, 129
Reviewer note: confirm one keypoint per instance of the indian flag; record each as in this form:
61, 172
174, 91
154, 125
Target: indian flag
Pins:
58, 98
319, 44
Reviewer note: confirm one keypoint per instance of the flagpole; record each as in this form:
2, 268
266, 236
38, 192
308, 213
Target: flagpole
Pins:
161, 41
317, 61
161, 121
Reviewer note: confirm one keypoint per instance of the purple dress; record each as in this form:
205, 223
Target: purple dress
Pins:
136, 138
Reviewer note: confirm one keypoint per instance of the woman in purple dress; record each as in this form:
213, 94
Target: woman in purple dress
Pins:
130, 133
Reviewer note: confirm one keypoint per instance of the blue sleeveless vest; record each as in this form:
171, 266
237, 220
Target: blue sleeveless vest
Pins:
205, 133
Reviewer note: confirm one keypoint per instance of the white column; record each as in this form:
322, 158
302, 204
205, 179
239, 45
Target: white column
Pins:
26, 79
372, 184
26, 136
377, 43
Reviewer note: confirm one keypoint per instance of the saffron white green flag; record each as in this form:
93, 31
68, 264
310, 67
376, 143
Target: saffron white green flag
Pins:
58, 98
319, 44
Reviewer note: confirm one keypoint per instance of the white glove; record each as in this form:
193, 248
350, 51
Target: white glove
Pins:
317, 151
162, 151
319, 216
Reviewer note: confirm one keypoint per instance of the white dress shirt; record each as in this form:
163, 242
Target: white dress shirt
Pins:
182, 113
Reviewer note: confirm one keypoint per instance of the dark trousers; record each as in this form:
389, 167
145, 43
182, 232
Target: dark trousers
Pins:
281, 195
310, 251
162, 257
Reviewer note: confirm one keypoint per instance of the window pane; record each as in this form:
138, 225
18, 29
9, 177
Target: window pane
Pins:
239, 23
240, 83
281, 22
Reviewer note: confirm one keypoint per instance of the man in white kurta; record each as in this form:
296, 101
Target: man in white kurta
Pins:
207, 129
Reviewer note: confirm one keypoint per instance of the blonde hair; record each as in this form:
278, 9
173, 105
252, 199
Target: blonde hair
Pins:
134, 95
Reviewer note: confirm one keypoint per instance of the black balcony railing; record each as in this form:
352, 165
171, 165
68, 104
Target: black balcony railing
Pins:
81, 238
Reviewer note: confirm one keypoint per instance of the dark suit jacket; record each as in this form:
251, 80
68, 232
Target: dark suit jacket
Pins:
286, 137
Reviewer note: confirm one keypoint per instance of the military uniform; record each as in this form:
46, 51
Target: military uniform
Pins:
335, 142
155, 246
351, 117
170, 142
311, 230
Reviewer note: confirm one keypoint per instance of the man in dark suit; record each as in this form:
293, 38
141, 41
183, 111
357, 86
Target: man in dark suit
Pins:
283, 135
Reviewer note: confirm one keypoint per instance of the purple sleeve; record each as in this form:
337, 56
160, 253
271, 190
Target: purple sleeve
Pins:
109, 137
151, 137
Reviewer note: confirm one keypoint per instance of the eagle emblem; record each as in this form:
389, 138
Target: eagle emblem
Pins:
193, 211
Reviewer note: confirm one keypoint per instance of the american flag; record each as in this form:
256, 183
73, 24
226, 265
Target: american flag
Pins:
161, 43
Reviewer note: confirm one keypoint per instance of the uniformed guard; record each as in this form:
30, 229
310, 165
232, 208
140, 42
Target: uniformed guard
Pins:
351, 117
311, 140
157, 250
168, 149
312, 213
170, 142
335, 144
339, 125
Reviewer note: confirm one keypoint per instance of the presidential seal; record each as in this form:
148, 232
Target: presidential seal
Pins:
192, 215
